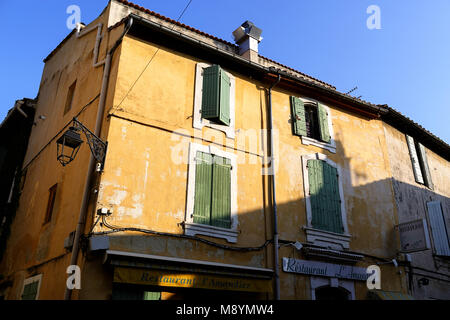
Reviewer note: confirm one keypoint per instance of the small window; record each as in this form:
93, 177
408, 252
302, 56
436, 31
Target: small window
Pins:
310, 120
214, 99
69, 99
31, 288
50, 203
419, 162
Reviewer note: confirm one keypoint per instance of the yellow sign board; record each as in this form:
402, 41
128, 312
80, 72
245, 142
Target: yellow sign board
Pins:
198, 281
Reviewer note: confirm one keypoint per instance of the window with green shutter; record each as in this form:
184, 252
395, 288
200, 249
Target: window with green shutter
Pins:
212, 198
310, 120
324, 196
216, 95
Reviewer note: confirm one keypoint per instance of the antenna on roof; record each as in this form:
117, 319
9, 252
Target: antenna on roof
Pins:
352, 90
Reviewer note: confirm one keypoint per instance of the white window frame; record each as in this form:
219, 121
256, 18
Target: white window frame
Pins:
331, 146
191, 228
27, 281
198, 121
319, 237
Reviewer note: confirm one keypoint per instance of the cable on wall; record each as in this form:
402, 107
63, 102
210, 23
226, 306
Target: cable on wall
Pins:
116, 229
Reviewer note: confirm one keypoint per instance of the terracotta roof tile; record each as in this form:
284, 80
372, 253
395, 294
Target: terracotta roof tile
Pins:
155, 14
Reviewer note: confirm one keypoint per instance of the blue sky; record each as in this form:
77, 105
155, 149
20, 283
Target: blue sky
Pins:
405, 64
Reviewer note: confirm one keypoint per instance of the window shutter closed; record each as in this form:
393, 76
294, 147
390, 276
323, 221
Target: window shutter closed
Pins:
152, 295
298, 116
414, 160
323, 123
211, 92
225, 84
438, 229
426, 169
324, 196
203, 181
221, 193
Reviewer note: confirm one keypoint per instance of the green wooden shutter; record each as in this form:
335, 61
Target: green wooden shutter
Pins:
438, 229
315, 175
221, 193
323, 123
152, 295
203, 184
426, 170
30, 291
225, 85
414, 160
298, 116
333, 199
324, 196
211, 92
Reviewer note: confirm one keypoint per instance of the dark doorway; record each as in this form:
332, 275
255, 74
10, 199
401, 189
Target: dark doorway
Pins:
330, 293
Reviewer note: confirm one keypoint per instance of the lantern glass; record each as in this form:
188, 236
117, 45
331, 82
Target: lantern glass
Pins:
68, 145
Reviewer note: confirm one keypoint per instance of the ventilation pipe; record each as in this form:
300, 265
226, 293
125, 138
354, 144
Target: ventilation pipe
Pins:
248, 37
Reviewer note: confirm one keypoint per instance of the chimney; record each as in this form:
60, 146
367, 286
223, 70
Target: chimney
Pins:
247, 37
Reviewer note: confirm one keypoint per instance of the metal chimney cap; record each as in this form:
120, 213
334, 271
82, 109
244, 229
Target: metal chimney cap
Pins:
249, 29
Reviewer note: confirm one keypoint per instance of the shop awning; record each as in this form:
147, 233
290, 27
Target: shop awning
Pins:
388, 295
153, 270
164, 278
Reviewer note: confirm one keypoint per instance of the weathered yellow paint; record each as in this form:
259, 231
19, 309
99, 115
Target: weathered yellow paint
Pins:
144, 182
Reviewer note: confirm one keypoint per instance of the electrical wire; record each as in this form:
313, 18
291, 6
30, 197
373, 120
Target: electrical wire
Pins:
93, 226
116, 229
60, 131
151, 59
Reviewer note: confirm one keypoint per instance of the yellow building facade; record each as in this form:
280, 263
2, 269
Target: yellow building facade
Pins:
145, 236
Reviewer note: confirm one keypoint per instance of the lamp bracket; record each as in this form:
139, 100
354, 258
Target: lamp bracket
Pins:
98, 146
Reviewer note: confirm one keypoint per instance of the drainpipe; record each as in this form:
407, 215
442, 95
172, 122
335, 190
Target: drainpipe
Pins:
92, 164
274, 200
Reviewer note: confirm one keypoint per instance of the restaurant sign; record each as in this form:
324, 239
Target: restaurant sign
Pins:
322, 269
199, 281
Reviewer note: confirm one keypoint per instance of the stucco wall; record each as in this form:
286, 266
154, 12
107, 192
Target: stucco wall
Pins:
145, 178
37, 248
411, 201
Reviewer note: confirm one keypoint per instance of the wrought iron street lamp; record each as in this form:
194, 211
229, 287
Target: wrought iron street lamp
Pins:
70, 142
